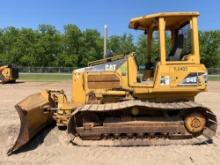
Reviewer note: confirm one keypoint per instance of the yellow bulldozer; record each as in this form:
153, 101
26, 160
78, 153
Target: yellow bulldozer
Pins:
8, 74
112, 101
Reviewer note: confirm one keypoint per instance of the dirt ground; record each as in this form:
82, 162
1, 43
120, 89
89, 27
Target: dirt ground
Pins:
51, 146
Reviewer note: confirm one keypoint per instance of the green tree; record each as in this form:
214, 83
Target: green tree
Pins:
9, 37
48, 46
25, 47
91, 48
210, 48
71, 42
142, 49
122, 44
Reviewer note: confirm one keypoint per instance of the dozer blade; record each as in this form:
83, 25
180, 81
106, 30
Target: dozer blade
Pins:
34, 116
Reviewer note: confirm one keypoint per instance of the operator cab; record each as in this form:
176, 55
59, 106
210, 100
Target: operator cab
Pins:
170, 37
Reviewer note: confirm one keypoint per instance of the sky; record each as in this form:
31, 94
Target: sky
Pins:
95, 13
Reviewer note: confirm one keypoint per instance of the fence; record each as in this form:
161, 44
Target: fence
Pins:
46, 69
214, 73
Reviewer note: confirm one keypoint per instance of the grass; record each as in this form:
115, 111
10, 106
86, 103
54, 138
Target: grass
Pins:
45, 76
214, 77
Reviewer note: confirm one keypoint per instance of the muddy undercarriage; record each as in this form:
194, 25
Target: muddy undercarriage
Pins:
141, 120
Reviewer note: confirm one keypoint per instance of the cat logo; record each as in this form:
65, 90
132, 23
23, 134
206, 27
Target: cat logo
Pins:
110, 67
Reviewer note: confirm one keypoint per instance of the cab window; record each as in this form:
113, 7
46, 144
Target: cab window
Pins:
182, 43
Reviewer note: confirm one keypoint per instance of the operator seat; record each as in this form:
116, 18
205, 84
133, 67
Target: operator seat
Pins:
176, 52
148, 73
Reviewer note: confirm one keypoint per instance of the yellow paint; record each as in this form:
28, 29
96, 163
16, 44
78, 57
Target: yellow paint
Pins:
168, 75
78, 88
115, 93
6, 74
162, 40
195, 39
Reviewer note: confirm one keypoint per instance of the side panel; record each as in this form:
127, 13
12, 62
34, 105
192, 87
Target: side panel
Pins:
78, 88
103, 80
132, 71
123, 71
181, 77
175, 81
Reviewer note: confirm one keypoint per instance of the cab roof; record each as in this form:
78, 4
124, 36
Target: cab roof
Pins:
173, 19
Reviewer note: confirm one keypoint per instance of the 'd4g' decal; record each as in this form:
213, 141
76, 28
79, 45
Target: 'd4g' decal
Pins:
193, 79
